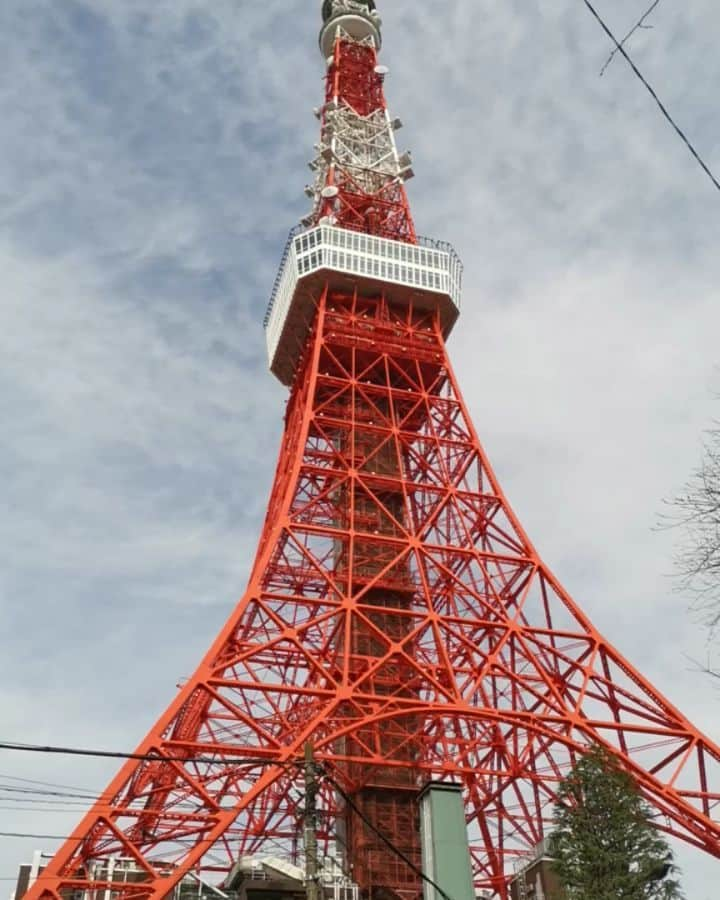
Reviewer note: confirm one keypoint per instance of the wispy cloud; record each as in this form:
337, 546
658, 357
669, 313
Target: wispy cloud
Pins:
153, 157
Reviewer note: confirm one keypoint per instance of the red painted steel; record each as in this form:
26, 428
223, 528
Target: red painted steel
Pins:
399, 618
353, 81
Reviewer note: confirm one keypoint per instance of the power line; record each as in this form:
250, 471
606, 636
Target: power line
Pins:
386, 840
36, 792
43, 810
74, 751
143, 757
637, 27
71, 805
69, 837
41, 837
620, 49
65, 804
66, 787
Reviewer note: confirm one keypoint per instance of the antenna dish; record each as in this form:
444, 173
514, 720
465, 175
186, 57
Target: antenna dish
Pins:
381, 70
329, 191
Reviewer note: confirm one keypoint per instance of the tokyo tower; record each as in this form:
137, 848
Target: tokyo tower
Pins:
397, 619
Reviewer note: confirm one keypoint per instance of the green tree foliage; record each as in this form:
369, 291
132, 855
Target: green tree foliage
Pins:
605, 845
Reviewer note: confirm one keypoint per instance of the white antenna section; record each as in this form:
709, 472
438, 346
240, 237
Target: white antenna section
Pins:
428, 274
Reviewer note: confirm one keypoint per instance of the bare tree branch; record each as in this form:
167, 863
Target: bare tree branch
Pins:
640, 25
696, 512
704, 668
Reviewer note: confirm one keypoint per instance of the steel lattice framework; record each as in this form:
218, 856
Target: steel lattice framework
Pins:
397, 616
360, 175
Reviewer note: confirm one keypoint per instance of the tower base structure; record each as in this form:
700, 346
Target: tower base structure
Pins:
399, 618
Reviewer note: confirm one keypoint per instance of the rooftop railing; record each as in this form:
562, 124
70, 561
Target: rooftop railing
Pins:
430, 264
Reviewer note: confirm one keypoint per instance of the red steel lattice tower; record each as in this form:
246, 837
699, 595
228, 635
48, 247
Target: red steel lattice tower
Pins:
397, 616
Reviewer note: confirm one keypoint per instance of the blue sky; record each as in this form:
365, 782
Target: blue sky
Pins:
153, 159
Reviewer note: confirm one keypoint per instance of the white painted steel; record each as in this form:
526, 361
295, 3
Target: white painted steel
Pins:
354, 149
363, 148
281, 299
355, 20
430, 267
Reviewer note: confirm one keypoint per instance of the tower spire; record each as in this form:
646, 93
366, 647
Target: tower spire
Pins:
397, 619
359, 173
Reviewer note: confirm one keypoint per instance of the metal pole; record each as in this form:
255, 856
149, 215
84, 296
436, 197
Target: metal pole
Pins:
312, 788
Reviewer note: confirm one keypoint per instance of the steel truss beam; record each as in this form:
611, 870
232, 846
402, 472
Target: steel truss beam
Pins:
360, 176
399, 618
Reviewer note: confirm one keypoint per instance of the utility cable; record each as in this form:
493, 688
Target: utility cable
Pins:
69, 804
620, 49
39, 801
52, 784
75, 751
386, 840
38, 793
637, 27
144, 757
44, 810
41, 837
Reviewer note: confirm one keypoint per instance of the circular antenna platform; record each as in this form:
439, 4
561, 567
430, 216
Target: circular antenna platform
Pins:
356, 22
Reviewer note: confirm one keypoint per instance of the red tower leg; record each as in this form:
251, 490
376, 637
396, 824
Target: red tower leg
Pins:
399, 618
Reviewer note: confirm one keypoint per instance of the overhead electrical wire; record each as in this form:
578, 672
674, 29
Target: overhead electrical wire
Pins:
52, 784
45, 811
39, 793
620, 49
41, 837
638, 25
62, 804
142, 757
74, 751
383, 837
69, 805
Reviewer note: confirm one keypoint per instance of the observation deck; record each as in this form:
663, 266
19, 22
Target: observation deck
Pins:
427, 274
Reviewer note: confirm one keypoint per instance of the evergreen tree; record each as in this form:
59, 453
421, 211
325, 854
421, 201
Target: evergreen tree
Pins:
605, 845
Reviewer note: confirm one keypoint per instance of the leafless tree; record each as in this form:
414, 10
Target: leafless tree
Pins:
695, 511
